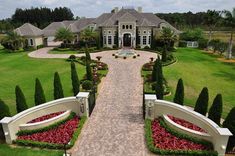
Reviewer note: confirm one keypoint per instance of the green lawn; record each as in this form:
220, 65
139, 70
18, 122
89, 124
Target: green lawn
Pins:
19, 69
199, 69
6, 150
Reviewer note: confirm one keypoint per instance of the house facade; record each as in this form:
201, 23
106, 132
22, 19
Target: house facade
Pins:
33, 35
127, 27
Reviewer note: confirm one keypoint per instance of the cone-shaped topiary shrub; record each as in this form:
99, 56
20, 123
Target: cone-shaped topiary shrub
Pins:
202, 102
216, 109
75, 79
89, 75
20, 100
159, 80
58, 90
39, 96
4, 110
179, 93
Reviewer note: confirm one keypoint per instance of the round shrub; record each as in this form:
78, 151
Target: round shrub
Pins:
72, 57
87, 85
124, 57
134, 57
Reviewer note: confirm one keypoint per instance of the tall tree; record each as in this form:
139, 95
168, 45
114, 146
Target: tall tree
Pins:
65, 35
211, 18
230, 21
202, 102
159, 80
58, 90
89, 75
75, 79
20, 100
39, 96
154, 72
216, 109
179, 93
167, 36
4, 110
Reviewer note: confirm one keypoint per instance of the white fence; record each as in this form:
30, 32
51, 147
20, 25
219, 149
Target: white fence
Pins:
218, 136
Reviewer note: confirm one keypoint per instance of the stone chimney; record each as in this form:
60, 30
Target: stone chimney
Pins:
139, 9
115, 9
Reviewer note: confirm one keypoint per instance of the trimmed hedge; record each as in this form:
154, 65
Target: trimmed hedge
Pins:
56, 124
152, 148
51, 145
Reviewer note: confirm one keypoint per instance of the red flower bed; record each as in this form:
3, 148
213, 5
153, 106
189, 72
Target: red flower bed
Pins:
60, 135
186, 124
165, 140
45, 117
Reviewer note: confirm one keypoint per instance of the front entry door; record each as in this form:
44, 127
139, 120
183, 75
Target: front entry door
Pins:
127, 40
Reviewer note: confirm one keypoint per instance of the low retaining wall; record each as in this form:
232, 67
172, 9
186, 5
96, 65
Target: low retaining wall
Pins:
78, 104
48, 122
218, 136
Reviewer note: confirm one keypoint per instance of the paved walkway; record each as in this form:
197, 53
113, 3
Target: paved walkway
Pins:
116, 127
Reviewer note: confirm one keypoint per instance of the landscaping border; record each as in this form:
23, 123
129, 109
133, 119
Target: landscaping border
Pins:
152, 148
51, 145
56, 124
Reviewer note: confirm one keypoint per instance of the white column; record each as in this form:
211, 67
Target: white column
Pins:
82, 98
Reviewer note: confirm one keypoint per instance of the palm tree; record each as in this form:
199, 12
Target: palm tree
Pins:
64, 35
88, 35
230, 21
12, 41
167, 37
211, 19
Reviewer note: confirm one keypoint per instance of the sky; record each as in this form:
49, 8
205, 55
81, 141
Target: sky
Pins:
93, 8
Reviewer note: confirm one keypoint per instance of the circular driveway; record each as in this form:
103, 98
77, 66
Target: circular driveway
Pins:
116, 126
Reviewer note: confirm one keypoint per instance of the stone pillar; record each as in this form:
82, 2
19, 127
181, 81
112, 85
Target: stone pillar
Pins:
149, 106
6, 129
82, 98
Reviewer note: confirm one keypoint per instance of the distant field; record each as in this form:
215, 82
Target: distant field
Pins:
222, 35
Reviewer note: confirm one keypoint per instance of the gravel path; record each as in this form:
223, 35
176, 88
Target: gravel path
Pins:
116, 127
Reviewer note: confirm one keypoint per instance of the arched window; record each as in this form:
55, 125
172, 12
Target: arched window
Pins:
127, 27
123, 26
130, 26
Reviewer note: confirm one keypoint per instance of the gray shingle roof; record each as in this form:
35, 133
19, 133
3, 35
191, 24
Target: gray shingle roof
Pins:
143, 19
74, 26
28, 30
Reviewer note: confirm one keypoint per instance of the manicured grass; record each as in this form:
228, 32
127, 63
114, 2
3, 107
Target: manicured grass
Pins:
199, 69
19, 69
6, 150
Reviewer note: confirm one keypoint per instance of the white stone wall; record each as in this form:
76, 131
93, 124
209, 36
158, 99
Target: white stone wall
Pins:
36, 41
78, 104
131, 31
218, 136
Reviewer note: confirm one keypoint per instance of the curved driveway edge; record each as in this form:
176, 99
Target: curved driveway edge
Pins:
116, 126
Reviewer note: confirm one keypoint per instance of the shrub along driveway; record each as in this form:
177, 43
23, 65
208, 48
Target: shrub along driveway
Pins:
116, 126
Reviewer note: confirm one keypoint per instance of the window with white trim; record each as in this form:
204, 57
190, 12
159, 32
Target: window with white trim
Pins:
30, 42
145, 32
105, 40
149, 40
123, 26
130, 26
127, 26
144, 40
109, 40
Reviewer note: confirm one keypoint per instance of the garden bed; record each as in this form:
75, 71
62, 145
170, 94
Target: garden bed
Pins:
165, 141
54, 136
186, 124
45, 117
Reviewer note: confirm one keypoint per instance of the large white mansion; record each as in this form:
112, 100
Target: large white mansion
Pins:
126, 27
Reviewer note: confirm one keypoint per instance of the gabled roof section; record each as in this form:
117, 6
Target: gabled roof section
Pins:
145, 22
80, 24
51, 29
127, 17
28, 30
102, 18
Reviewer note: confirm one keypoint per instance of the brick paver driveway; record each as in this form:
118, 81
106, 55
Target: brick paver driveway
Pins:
116, 127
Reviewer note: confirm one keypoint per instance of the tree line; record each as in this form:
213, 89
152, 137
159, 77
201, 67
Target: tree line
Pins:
39, 17
188, 20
